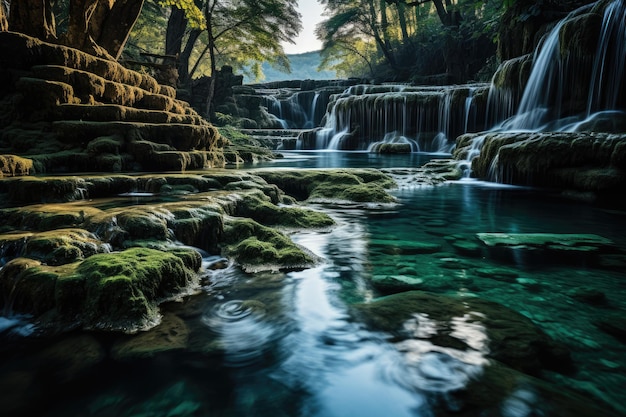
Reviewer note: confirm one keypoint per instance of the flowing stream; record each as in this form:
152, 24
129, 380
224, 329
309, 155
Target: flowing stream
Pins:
289, 344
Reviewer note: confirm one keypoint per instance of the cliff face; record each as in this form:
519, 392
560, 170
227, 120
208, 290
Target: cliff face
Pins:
68, 111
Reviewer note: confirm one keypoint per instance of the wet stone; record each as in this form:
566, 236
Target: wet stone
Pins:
498, 274
464, 247
393, 247
588, 295
615, 326
171, 334
454, 263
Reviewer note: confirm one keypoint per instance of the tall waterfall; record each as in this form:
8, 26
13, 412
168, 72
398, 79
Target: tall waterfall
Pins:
560, 79
571, 85
571, 88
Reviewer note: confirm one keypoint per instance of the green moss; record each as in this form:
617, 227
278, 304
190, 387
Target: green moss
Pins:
258, 206
348, 185
27, 286
256, 247
112, 291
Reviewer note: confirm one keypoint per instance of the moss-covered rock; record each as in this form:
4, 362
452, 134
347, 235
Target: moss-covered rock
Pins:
333, 185
256, 247
259, 207
585, 161
44, 217
112, 291
55, 247
13, 166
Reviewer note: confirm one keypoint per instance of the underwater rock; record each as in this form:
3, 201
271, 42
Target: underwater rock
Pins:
507, 336
614, 325
170, 334
557, 247
391, 284
588, 295
399, 247
71, 357
498, 274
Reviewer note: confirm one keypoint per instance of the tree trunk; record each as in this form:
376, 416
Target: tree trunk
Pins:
33, 18
4, 23
115, 21
442, 12
211, 47
185, 56
80, 12
176, 26
388, 54
401, 6
101, 27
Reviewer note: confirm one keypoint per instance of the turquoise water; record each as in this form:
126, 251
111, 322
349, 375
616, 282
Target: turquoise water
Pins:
289, 344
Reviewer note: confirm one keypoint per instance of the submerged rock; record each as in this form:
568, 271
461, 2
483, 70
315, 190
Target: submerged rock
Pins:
496, 332
548, 247
171, 334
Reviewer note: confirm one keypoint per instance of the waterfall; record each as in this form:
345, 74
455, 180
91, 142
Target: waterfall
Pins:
295, 109
608, 68
559, 80
427, 119
552, 75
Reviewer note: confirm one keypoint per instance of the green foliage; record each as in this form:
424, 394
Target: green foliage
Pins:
146, 35
400, 39
192, 12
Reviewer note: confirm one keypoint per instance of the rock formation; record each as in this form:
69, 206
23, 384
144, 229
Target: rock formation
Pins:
68, 111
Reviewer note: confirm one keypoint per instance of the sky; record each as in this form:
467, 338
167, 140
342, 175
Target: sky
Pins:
311, 12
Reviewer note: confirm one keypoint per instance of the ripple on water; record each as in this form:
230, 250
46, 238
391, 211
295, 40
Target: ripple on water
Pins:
245, 336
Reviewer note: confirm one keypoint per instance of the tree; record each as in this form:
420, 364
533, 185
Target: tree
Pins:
100, 27
405, 36
234, 32
354, 21
4, 23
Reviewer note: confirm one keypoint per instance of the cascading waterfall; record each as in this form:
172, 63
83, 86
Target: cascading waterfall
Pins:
365, 117
296, 110
554, 76
610, 59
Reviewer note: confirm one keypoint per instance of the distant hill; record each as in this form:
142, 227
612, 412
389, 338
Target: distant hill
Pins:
303, 67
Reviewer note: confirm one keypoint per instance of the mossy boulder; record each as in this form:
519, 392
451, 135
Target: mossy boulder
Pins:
44, 217
13, 166
333, 185
256, 248
56, 247
112, 291
507, 336
259, 207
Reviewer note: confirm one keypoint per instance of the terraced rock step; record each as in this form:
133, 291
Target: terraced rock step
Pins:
276, 139
68, 111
